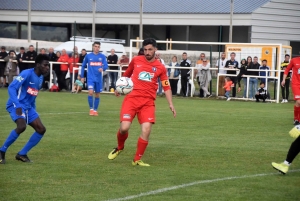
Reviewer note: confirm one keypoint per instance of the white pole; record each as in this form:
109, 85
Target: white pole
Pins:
94, 13
29, 22
231, 16
51, 76
130, 50
278, 74
141, 19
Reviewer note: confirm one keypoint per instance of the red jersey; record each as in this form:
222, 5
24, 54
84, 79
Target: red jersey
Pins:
144, 76
295, 67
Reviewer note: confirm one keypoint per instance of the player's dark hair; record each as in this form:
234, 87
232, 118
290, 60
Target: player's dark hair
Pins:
30, 45
262, 83
184, 53
149, 41
255, 57
264, 60
40, 58
96, 43
232, 53
286, 55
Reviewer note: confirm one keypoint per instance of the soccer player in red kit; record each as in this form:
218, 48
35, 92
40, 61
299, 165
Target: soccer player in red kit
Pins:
144, 71
295, 67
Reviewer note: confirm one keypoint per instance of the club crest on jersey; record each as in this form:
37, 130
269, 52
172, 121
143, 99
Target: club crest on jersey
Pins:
32, 91
154, 69
19, 78
146, 76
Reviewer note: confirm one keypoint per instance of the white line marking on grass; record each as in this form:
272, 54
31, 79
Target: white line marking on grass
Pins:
162, 190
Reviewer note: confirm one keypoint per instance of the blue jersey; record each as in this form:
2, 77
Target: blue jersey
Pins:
94, 62
24, 90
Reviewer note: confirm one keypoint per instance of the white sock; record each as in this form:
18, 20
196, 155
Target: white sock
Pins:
287, 163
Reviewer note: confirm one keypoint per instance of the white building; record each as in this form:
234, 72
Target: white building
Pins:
264, 21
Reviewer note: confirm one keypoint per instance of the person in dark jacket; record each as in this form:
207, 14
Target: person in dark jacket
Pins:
262, 93
232, 64
52, 57
253, 82
243, 71
185, 74
113, 59
22, 57
81, 58
3, 54
30, 56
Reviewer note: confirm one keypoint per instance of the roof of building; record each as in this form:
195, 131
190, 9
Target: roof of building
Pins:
133, 6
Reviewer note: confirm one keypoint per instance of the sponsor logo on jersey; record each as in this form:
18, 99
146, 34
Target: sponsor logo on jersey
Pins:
32, 91
146, 76
165, 83
297, 96
154, 69
126, 116
96, 63
19, 78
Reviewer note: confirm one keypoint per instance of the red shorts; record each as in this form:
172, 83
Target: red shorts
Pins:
144, 108
296, 92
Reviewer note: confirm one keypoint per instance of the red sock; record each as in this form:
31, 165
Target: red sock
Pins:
141, 147
121, 139
296, 113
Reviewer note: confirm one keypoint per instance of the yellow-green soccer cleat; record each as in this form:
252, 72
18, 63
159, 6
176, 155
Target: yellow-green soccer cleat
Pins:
140, 163
281, 167
114, 153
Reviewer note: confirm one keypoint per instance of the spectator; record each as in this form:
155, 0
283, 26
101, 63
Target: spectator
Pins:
64, 70
243, 71
113, 59
173, 75
221, 66
73, 64
201, 57
42, 51
232, 64
30, 56
262, 93
123, 62
11, 66
204, 76
81, 58
157, 56
78, 85
264, 71
52, 57
227, 87
56, 68
285, 91
253, 80
185, 74
75, 49
141, 51
3, 54
20, 57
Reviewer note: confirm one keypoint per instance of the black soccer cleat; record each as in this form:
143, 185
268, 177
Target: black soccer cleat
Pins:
296, 122
23, 158
2, 157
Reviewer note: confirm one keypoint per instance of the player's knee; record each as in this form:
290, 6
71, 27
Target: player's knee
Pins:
97, 95
41, 130
146, 130
20, 128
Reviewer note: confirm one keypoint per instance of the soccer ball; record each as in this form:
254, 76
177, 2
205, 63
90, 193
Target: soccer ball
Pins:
124, 85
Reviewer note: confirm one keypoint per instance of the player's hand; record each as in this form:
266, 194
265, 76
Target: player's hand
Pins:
100, 70
283, 83
19, 111
117, 94
173, 110
239, 89
82, 80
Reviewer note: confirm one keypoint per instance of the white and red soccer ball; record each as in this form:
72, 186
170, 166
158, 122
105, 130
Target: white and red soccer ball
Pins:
124, 85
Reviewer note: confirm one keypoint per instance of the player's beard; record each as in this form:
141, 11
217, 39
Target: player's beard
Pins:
150, 57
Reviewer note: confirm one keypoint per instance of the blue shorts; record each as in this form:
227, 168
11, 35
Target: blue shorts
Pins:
96, 86
29, 115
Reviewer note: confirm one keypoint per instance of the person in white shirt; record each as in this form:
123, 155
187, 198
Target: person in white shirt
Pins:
221, 65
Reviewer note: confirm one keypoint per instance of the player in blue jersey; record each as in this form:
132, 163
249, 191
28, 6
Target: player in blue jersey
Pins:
21, 107
96, 64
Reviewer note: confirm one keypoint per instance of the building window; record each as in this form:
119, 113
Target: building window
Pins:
8, 30
45, 33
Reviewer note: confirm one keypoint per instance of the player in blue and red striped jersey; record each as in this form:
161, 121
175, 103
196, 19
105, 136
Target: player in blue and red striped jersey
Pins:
21, 107
96, 64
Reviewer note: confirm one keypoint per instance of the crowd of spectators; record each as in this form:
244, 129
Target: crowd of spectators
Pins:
14, 64
202, 74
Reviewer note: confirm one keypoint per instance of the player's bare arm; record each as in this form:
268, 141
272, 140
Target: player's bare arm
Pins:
168, 94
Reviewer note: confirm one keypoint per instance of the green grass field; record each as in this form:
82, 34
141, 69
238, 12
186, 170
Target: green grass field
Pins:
212, 142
